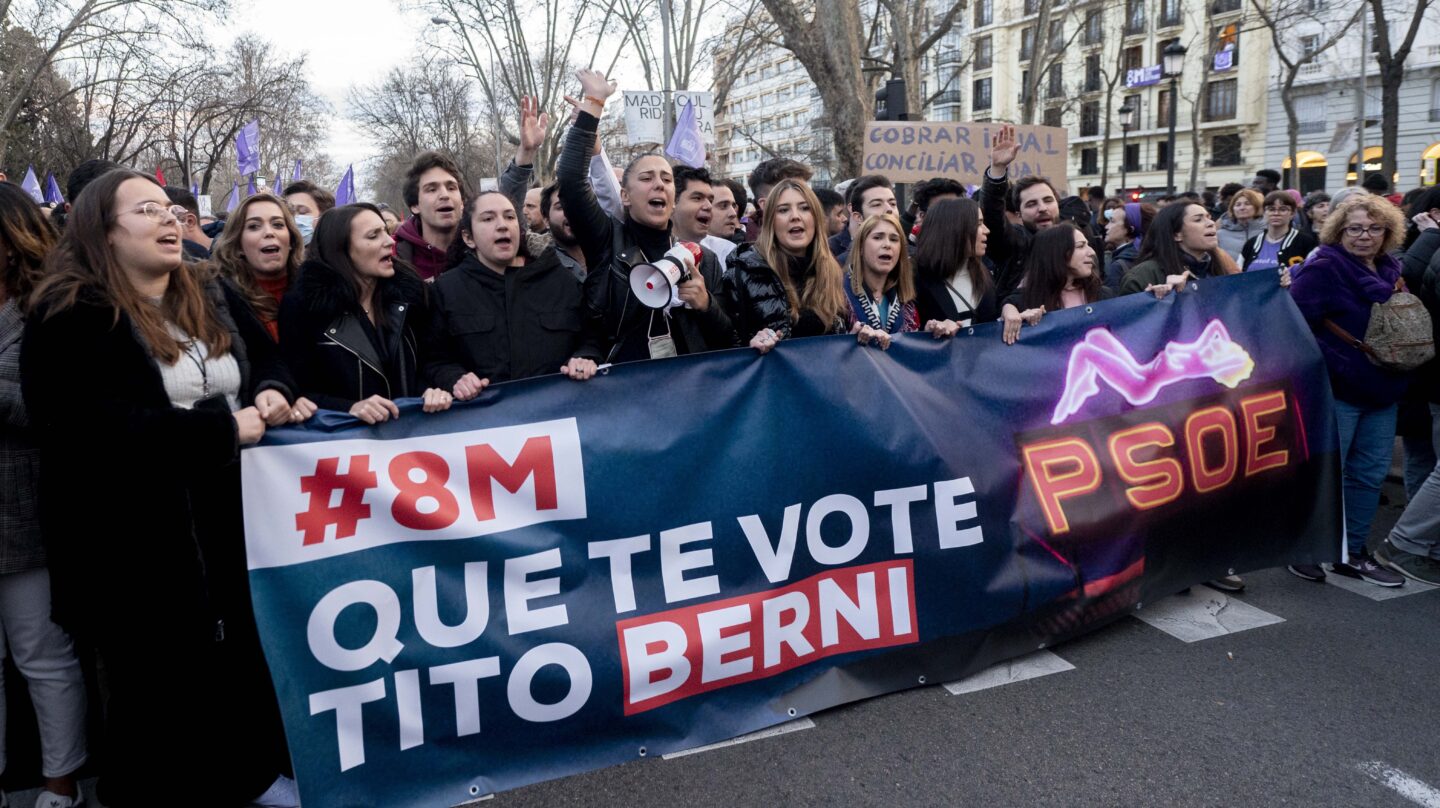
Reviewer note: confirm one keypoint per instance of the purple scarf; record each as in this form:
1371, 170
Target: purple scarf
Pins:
1132, 218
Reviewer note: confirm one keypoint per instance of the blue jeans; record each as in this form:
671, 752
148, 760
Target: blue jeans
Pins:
1367, 444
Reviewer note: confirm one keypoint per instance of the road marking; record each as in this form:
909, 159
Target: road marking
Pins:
779, 729
1030, 666
1203, 614
1403, 784
1374, 592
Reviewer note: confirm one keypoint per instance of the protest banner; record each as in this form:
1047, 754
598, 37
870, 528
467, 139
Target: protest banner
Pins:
645, 117
917, 151
562, 576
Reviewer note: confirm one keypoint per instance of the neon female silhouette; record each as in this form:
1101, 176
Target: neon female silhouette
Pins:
1100, 355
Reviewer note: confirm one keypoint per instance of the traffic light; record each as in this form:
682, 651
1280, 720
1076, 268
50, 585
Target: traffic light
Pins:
890, 102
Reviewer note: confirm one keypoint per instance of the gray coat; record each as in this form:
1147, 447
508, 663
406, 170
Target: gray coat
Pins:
1232, 235
20, 546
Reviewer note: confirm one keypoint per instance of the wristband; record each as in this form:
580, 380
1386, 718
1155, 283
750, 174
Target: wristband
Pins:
599, 102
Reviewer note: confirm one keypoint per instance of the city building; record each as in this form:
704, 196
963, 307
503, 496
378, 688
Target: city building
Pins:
1325, 103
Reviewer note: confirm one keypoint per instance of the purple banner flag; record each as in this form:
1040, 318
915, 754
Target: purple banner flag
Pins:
687, 144
247, 148
297, 174
234, 201
31, 186
345, 194
52, 190
279, 189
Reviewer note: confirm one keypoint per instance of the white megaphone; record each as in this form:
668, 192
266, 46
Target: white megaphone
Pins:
657, 284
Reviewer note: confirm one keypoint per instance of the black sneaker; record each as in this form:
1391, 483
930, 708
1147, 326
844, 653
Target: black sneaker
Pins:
1228, 583
1415, 567
1310, 572
1366, 569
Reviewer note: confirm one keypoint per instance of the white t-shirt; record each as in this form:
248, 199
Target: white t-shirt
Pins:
720, 246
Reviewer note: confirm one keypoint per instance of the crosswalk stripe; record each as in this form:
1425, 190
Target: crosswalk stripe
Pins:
1030, 666
1377, 593
1414, 790
770, 732
1202, 614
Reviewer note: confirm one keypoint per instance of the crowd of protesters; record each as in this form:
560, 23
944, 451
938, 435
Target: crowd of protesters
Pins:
140, 351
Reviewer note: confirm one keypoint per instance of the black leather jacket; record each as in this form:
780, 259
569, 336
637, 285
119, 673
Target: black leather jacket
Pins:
331, 352
755, 297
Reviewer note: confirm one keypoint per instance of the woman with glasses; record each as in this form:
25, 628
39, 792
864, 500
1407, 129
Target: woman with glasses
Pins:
1351, 271
1281, 244
140, 391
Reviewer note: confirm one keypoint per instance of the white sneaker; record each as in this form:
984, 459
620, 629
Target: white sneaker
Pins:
283, 793
48, 799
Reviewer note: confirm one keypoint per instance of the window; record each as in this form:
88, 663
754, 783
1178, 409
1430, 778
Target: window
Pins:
1227, 46
1093, 30
1092, 73
980, 97
1024, 85
1089, 161
1132, 156
1054, 116
1055, 82
1090, 119
1169, 13
1134, 17
1314, 5
1310, 109
1027, 43
1220, 100
1032, 6
1225, 150
984, 53
1162, 110
1134, 57
1134, 102
1309, 45
1222, 6
1162, 155
1057, 35
984, 13
1435, 100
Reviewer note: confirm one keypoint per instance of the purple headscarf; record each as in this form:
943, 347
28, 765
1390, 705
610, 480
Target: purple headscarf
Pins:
1132, 218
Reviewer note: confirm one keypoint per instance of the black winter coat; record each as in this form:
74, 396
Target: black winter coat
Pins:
934, 302
140, 506
1009, 244
755, 297
336, 355
611, 249
528, 322
1293, 249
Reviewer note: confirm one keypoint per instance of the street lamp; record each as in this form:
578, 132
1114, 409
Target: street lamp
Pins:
1127, 122
1173, 62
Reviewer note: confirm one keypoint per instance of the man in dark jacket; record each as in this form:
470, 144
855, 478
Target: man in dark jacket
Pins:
435, 193
1034, 198
194, 241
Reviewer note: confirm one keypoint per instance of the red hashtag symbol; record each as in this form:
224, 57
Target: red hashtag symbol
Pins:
321, 486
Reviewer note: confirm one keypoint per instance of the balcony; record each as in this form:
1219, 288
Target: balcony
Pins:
1092, 85
1435, 114
1161, 165
948, 56
1316, 127
1225, 6
1171, 19
948, 97
1135, 26
1223, 160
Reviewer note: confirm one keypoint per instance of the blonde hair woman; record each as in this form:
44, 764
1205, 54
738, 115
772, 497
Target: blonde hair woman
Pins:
880, 283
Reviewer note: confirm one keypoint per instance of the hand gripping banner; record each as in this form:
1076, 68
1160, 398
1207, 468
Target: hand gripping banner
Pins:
563, 576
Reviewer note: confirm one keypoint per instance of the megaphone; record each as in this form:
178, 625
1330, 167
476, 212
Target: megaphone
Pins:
657, 285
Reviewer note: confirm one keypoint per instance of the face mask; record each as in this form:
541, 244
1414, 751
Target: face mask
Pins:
306, 226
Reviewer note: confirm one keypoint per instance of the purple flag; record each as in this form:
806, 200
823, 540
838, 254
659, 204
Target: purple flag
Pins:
247, 148
250, 186
52, 190
687, 144
31, 186
345, 194
297, 175
194, 189
234, 201
279, 188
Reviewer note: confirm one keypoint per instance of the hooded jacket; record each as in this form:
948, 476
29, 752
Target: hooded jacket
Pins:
334, 353
527, 322
412, 248
1232, 235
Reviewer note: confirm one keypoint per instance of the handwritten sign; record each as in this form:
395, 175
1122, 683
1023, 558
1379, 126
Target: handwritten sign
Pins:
916, 151
645, 115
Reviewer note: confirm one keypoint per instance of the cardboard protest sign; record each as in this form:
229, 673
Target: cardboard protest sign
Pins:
912, 151
645, 116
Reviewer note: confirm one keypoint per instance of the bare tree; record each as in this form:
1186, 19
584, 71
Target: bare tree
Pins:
1392, 75
1282, 18
913, 33
1048, 45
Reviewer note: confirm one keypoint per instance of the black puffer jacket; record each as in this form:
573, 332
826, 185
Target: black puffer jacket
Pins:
334, 353
611, 249
755, 297
526, 322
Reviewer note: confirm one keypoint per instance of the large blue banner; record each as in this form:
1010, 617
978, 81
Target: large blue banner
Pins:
562, 576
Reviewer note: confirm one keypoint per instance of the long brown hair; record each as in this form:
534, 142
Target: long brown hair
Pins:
229, 257
824, 291
27, 235
1047, 269
899, 278
946, 244
83, 264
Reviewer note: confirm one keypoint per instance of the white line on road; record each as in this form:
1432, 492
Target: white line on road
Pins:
1204, 613
779, 729
1403, 784
1030, 666
1374, 592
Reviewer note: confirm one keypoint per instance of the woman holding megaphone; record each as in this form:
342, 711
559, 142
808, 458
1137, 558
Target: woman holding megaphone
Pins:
689, 322
500, 314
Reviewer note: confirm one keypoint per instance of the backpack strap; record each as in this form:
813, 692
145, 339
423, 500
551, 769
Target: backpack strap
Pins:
1348, 338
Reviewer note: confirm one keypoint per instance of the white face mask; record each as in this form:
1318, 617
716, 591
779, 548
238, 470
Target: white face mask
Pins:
306, 226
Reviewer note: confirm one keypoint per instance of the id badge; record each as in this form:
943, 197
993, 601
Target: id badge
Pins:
662, 347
